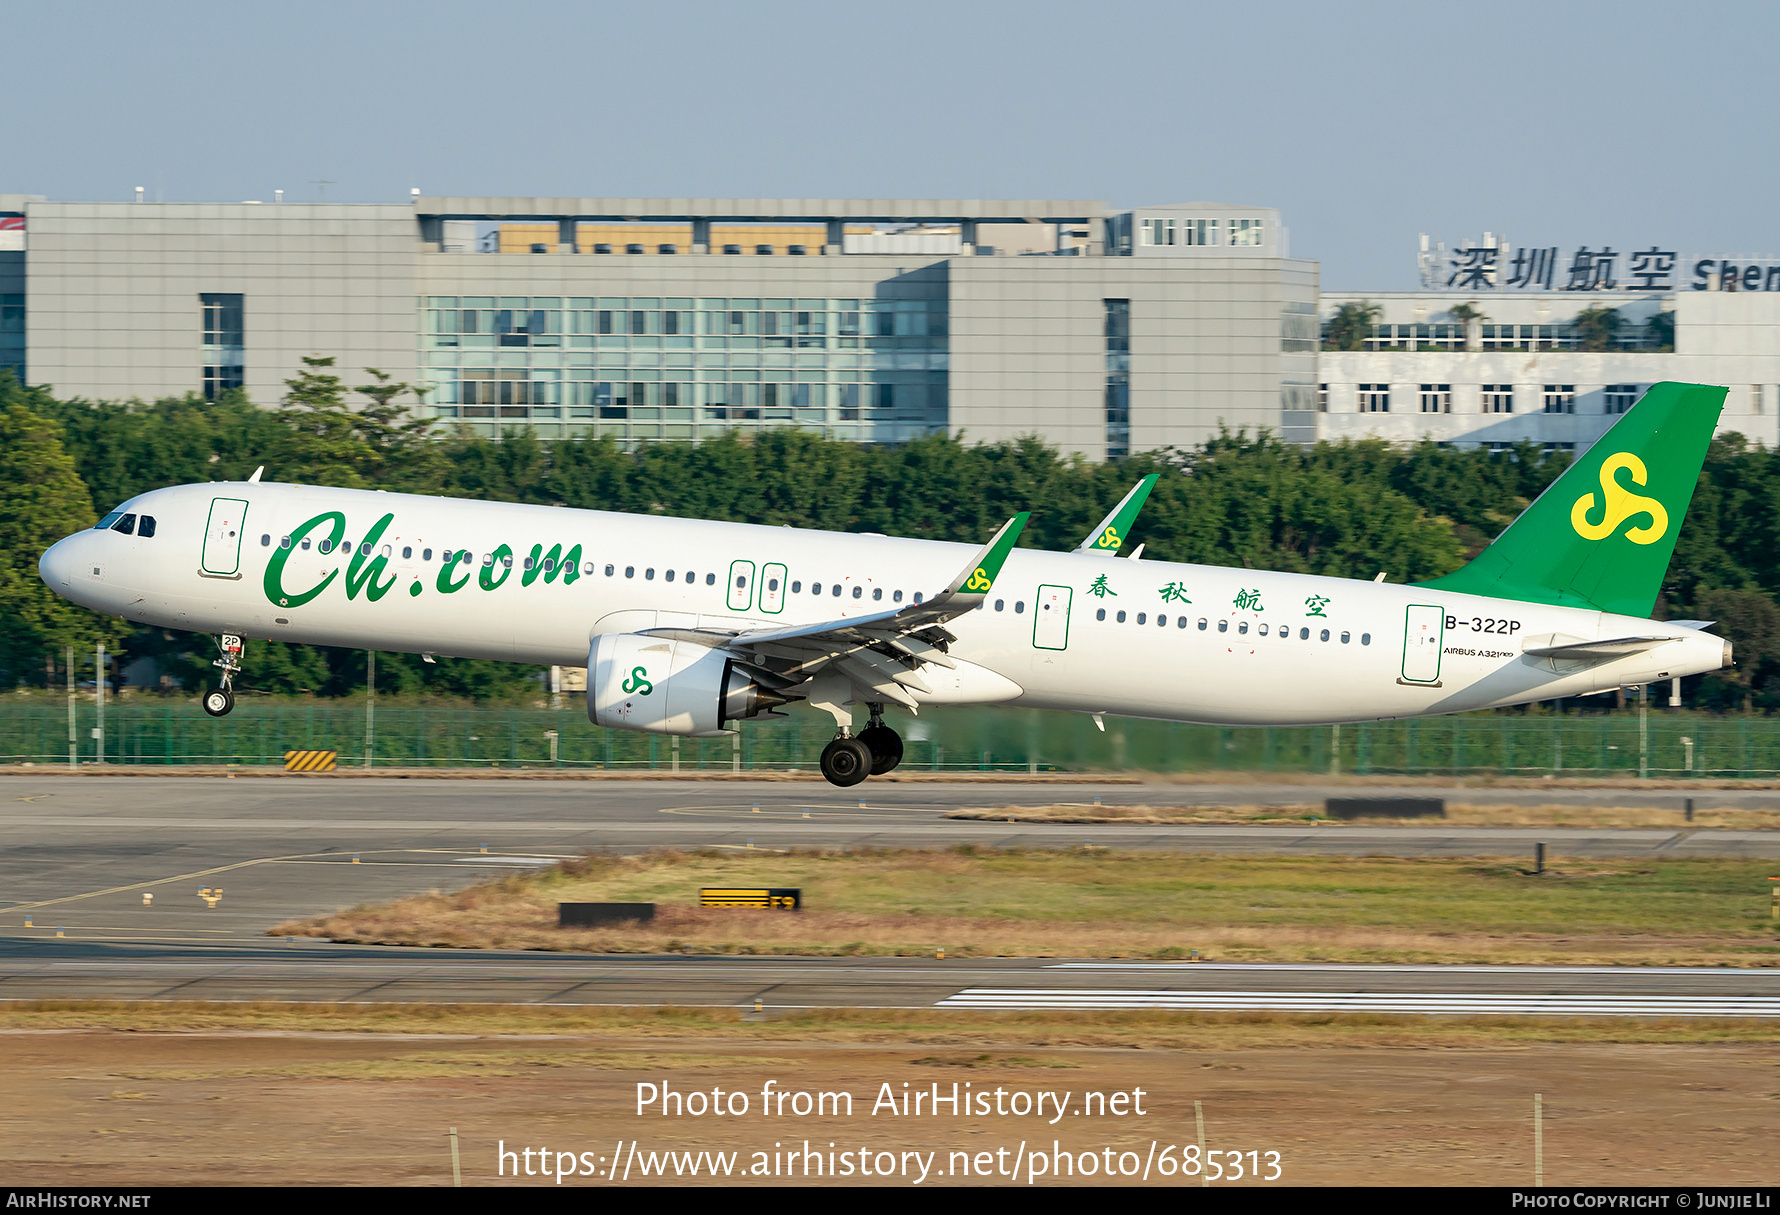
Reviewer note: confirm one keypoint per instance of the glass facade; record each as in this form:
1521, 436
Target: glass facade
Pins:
1118, 378
643, 368
12, 333
225, 342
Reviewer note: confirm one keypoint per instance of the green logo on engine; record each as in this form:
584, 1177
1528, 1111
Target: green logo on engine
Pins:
637, 683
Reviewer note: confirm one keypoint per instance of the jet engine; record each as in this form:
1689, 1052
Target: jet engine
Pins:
668, 686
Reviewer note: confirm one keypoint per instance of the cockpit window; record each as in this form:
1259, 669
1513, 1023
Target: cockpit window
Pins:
105, 523
126, 525
146, 526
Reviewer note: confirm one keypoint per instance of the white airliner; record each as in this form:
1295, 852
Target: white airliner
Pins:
689, 626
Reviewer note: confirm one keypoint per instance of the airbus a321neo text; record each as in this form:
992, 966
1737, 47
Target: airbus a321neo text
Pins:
688, 627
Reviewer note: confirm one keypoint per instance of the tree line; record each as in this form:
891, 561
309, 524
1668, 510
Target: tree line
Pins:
1353, 508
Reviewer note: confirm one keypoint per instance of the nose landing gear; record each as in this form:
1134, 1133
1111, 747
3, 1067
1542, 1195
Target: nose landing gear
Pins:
219, 702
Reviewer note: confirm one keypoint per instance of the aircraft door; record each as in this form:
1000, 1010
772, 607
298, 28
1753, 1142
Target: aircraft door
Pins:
772, 588
1424, 632
222, 537
741, 585
1050, 623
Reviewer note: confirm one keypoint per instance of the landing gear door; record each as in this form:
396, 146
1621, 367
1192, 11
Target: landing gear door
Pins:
222, 537
741, 585
1424, 634
1050, 623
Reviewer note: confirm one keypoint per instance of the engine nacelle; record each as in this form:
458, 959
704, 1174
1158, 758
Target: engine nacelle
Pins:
664, 686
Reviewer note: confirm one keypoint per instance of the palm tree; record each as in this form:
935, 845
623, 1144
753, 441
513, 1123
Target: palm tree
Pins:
1468, 314
1352, 325
1598, 327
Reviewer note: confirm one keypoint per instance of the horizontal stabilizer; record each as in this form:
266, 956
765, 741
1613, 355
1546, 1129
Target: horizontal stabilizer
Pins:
1597, 651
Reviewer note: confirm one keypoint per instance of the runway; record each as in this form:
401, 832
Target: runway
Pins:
163, 888
310, 971
81, 853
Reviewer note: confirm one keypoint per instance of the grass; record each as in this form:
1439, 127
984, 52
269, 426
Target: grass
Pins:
1458, 814
1100, 903
959, 1039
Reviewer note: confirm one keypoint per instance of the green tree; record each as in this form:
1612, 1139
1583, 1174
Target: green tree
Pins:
1352, 325
1752, 623
1659, 331
1465, 314
1598, 327
42, 499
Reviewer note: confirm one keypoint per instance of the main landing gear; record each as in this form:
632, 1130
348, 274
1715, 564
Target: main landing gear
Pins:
848, 760
218, 702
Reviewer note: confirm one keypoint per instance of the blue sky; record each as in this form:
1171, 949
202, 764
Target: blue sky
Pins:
1559, 123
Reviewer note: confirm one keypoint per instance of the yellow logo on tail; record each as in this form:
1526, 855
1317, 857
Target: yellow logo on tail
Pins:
1619, 504
978, 581
1108, 538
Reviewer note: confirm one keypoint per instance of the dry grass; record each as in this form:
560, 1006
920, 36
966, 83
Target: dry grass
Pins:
1458, 814
955, 1038
1047, 903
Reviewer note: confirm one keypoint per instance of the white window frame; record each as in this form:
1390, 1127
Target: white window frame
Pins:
1374, 398
1617, 398
1563, 396
1156, 231
1200, 232
1436, 398
1249, 233
1498, 398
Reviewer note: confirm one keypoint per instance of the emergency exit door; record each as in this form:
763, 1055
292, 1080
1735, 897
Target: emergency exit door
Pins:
222, 537
1050, 620
1423, 635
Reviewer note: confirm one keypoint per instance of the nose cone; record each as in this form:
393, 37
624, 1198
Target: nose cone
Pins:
60, 565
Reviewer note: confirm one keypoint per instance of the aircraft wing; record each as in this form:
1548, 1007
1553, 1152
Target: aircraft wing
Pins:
881, 653
1113, 530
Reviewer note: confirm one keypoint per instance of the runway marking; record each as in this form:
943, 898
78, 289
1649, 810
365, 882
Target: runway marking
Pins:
1340, 967
793, 810
310, 857
1414, 1003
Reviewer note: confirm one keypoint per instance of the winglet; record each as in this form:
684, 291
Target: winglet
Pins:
977, 577
1116, 527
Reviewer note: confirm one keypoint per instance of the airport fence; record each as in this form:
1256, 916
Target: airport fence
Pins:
1626, 743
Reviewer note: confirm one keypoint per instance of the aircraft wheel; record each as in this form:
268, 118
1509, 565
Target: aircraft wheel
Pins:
846, 762
885, 745
219, 702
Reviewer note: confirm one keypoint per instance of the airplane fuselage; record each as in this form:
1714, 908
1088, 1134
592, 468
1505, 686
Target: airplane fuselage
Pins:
1071, 631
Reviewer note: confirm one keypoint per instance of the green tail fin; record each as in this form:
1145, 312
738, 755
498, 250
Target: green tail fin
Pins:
1601, 535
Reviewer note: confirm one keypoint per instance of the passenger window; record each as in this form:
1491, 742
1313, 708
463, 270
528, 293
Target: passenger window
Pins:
1121, 617
407, 552
1344, 638
305, 543
1365, 638
488, 559
917, 596
1202, 624
426, 554
1100, 614
1223, 626
1325, 634
387, 549
1000, 603
610, 570
858, 591
589, 569
670, 576
1019, 606
797, 588
1182, 623
549, 565
837, 590
630, 571
1303, 634
265, 542
649, 574
1262, 630
146, 526
327, 546
1143, 617
691, 577
710, 580
364, 550
464, 557
284, 542
741, 580
772, 584
877, 592
1242, 626
896, 596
